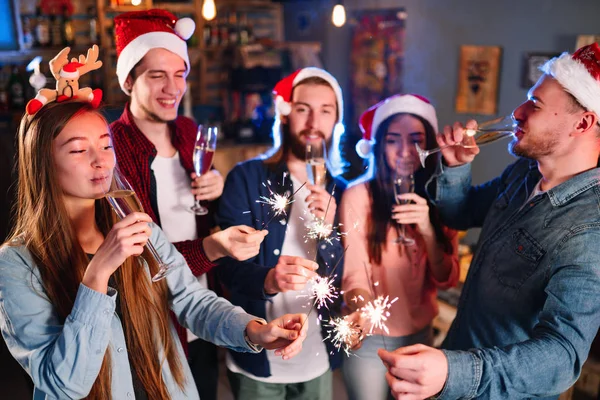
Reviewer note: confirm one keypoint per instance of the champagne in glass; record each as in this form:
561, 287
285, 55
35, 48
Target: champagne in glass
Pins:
204, 151
486, 132
403, 182
316, 154
124, 201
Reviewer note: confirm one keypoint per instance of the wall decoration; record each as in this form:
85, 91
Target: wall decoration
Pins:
531, 67
478, 77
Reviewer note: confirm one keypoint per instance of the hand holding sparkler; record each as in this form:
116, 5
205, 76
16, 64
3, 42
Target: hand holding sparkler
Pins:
290, 273
240, 242
284, 334
416, 371
321, 204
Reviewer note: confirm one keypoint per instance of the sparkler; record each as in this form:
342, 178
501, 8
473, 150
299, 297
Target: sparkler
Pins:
377, 311
277, 202
343, 333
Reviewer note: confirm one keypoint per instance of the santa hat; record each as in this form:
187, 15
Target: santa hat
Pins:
283, 89
70, 71
138, 32
401, 103
579, 74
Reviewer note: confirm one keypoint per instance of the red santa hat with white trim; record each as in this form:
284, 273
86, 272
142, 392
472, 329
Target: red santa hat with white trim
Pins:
579, 74
138, 32
284, 88
401, 103
70, 70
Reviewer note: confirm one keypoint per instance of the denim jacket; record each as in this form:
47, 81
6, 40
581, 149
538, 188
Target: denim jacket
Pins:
530, 307
245, 183
63, 358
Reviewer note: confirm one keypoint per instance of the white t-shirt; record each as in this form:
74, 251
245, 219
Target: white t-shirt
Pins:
313, 360
174, 198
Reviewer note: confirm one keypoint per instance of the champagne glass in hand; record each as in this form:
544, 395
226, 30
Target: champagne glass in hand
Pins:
403, 182
124, 201
204, 151
316, 154
486, 132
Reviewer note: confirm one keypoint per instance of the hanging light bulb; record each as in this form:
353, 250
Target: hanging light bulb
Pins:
136, 2
339, 15
209, 10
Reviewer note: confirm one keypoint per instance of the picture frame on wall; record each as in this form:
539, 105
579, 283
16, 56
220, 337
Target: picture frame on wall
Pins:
531, 67
478, 78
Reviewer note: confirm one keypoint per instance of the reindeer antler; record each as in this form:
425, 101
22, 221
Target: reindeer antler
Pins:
90, 62
59, 61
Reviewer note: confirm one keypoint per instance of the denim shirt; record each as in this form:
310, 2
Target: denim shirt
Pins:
530, 307
245, 184
64, 358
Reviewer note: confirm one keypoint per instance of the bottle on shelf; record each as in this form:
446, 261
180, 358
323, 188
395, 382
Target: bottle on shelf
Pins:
56, 30
206, 34
223, 32
68, 32
42, 28
233, 28
16, 89
214, 34
94, 36
4, 76
244, 32
27, 34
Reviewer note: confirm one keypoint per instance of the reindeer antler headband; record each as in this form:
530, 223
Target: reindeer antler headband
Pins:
67, 80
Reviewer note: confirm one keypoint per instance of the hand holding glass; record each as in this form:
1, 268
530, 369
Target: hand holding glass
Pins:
124, 201
403, 182
486, 132
204, 151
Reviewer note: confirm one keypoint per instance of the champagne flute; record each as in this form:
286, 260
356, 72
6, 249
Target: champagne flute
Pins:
204, 151
486, 132
403, 182
124, 201
316, 154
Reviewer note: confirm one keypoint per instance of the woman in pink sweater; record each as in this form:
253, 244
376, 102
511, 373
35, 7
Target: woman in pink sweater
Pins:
376, 264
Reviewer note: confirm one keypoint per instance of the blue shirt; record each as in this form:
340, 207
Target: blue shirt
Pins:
64, 358
238, 205
530, 307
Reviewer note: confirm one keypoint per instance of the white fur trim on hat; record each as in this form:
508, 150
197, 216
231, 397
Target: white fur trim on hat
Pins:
69, 75
310, 72
406, 104
364, 147
576, 79
282, 106
138, 47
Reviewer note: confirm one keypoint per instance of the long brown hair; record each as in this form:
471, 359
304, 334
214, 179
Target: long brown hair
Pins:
44, 226
381, 192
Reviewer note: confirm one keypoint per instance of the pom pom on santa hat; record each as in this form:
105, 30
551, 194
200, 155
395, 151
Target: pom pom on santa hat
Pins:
579, 74
284, 88
138, 32
401, 103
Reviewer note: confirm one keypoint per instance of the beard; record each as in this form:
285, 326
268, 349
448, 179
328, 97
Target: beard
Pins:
536, 149
295, 145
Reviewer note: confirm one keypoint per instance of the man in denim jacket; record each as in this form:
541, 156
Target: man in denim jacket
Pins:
530, 307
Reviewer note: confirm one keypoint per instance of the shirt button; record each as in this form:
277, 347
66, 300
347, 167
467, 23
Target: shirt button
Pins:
129, 395
276, 252
106, 312
323, 246
282, 221
120, 350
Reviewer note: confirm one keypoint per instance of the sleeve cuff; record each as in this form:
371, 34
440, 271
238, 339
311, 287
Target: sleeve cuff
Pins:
255, 347
94, 308
464, 375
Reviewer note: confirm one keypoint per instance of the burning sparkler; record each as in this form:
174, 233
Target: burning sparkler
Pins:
377, 312
343, 334
323, 290
277, 202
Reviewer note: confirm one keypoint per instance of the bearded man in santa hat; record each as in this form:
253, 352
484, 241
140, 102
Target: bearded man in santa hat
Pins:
309, 108
154, 148
530, 307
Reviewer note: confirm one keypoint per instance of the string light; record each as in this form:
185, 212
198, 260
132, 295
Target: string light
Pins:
209, 10
338, 17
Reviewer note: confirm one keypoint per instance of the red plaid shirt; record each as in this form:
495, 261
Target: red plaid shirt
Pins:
135, 154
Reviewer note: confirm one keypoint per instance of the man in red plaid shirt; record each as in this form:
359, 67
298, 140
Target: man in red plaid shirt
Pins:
154, 148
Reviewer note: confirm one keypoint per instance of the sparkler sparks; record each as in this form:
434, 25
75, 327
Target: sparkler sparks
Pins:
377, 312
319, 229
323, 290
343, 334
277, 202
